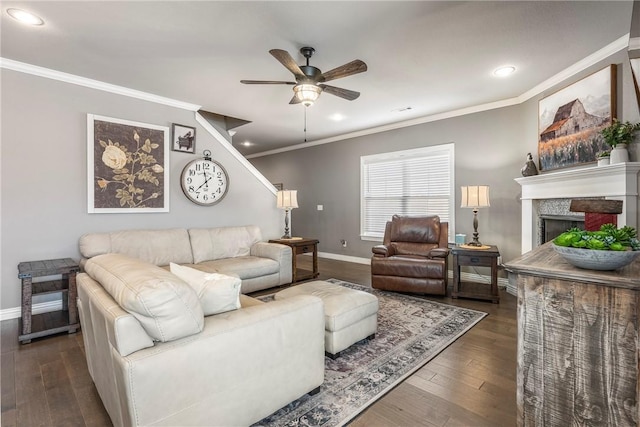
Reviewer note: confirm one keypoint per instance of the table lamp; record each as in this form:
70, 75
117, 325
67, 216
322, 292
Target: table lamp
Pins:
287, 200
475, 196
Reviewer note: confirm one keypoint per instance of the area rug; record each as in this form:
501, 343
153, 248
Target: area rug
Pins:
411, 331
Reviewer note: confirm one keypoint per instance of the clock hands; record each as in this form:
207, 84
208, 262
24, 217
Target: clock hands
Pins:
205, 180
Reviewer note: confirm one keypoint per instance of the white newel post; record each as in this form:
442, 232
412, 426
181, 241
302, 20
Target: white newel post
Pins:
616, 182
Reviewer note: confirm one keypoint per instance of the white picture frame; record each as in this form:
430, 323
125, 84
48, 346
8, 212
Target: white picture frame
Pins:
127, 166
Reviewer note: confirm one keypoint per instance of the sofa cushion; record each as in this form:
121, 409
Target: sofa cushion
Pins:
217, 292
246, 267
222, 242
166, 307
159, 247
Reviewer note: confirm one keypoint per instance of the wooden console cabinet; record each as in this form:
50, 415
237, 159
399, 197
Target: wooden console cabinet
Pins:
578, 342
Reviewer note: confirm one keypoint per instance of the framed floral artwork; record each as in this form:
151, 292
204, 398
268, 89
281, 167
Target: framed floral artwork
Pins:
570, 120
183, 138
127, 166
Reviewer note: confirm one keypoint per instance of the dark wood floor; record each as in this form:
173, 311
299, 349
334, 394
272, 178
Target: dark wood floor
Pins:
471, 383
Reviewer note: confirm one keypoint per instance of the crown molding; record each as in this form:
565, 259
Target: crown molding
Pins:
392, 126
48, 73
621, 43
600, 55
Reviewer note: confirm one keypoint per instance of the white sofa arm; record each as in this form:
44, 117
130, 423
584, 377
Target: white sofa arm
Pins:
277, 252
240, 368
106, 322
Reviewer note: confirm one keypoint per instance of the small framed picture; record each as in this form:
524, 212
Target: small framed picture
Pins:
183, 138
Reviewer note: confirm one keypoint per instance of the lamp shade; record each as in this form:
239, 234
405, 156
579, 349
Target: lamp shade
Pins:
287, 199
475, 196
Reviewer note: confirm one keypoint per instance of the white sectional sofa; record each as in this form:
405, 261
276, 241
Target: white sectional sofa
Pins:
231, 250
154, 357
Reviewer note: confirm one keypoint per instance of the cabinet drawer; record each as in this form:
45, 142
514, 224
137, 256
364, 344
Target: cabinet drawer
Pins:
303, 249
475, 260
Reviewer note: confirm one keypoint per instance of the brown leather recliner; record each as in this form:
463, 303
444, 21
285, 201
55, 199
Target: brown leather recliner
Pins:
413, 256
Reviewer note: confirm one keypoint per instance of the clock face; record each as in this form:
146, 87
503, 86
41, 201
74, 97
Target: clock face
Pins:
204, 182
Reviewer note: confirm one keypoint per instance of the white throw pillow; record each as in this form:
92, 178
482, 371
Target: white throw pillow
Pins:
217, 292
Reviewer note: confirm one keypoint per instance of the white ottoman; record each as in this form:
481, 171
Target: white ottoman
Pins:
349, 315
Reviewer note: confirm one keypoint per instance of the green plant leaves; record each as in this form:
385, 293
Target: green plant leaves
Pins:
609, 237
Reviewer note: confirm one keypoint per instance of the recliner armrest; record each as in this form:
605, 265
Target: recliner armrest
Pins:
438, 253
382, 250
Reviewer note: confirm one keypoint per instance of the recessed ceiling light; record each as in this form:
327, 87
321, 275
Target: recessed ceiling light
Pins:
504, 71
25, 17
246, 144
337, 117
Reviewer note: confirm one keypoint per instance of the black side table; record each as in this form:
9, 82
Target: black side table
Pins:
476, 258
40, 325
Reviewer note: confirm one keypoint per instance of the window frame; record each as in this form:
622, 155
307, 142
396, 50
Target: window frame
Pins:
433, 150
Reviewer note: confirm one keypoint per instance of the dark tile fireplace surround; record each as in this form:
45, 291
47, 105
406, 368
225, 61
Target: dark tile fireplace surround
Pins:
552, 226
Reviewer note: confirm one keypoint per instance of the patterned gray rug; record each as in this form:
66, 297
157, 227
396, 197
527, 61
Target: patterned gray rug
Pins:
411, 331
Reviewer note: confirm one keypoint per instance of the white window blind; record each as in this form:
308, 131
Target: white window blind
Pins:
410, 182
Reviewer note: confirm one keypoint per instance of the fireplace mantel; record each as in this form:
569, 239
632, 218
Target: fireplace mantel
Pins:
616, 182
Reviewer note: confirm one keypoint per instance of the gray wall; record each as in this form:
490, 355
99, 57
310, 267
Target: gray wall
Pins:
44, 175
490, 148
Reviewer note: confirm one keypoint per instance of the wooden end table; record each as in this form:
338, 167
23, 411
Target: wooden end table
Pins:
300, 246
40, 325
475, 258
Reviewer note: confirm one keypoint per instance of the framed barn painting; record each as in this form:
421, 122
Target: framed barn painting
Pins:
635, 71
570, 121
127, 166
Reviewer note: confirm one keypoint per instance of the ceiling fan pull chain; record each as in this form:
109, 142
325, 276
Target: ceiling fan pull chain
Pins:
305, 124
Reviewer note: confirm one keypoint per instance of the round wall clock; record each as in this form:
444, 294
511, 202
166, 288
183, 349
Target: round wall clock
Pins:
204, 181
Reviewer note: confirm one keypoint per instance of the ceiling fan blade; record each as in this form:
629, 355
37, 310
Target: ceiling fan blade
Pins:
266, 82
342, 93
294, 100
285, 59
354, 67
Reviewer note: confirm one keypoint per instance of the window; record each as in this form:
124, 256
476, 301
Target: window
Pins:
409, 182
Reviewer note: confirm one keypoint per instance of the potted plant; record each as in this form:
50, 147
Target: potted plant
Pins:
603, 157
606, 249
618, 134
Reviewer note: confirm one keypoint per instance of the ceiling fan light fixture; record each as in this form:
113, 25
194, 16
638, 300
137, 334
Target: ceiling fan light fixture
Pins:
307, 93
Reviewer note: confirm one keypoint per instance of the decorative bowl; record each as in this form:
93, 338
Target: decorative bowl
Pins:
593, 259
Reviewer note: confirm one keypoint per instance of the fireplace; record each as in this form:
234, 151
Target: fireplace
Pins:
617, 182
551, 226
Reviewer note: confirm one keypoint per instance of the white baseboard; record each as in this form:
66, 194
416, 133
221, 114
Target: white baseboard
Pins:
43, 307
347, 258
